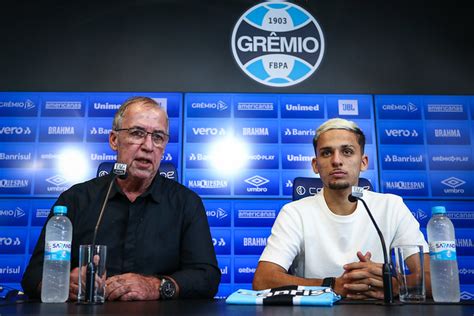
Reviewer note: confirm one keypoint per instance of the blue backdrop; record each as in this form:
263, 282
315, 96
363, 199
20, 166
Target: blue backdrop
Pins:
419, 147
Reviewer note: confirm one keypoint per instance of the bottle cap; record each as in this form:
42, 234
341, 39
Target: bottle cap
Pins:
60, 209
438, 210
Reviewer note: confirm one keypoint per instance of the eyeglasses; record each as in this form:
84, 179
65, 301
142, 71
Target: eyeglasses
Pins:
137, 135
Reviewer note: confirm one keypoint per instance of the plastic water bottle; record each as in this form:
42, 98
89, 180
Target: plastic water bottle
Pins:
443, 264
57, 257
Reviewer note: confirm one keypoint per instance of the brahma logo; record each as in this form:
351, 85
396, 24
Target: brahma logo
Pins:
278, 44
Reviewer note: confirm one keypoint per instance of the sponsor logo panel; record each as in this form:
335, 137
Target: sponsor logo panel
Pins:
221, 239
98, 153
98, 130
198, 156
225, 267
466, 269
14, 212
277, 44
448, 133
12, 240
405, 184
106, 104
33, 239
54, 130
250, 241
400, 133
244, 268
40, 210
255, 213
174, 130
287, 178
198, 131
19, 104
372, 176
257, 131
15, 181
445, 108
302, 106
464, 242
263, 157
257, 183
219, 213
297, 157
171, 154
452, 184
403, 158
467, 292
18, 130
63, 104
17, 156
255, 106
298, 131
51, 182
12, 268
170, 101
349, 106
421, 211
205, 183
461, 213
393, 107
450, 158
208, 105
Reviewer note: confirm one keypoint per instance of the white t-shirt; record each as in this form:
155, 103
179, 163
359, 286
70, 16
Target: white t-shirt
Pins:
320, 242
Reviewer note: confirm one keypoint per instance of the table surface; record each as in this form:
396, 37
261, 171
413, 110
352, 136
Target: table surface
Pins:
219, 307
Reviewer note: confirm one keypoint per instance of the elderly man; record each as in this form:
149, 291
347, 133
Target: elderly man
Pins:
327, 239
155, 229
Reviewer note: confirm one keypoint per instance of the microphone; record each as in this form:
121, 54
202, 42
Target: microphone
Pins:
357, 193
119, 171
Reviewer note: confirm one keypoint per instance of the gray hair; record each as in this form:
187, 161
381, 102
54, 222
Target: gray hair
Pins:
117, 122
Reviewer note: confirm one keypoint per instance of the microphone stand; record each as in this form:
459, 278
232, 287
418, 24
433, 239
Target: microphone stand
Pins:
387, 266
91, 268
119, 171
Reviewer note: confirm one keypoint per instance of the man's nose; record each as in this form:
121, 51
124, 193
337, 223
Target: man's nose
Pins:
147, 142
336, 159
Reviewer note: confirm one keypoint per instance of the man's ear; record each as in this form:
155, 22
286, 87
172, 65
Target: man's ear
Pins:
364, 163
113, 138
314, 164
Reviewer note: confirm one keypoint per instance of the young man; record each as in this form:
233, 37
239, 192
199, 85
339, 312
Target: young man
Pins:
328, 238
156, 230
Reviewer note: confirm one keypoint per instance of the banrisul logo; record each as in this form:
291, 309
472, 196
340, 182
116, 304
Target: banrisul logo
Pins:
278, 44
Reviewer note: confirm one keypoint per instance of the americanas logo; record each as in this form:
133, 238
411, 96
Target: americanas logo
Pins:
278, 44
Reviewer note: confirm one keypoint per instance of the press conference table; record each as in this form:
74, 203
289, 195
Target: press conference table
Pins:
219, 307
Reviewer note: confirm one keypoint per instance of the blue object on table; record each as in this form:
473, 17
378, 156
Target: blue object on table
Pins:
286, 295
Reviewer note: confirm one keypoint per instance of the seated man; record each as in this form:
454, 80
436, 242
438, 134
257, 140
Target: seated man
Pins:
328, 238
155, 229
